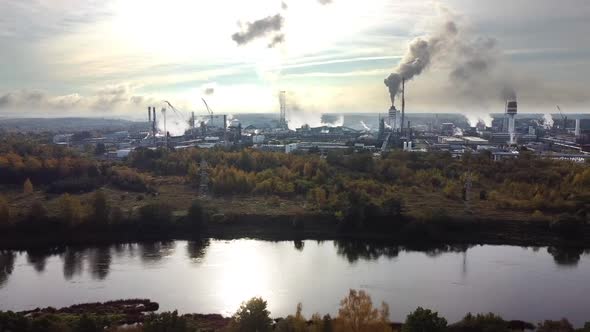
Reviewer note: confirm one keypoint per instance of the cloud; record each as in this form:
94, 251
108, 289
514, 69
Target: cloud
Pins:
111, 98
259, 28
325, 2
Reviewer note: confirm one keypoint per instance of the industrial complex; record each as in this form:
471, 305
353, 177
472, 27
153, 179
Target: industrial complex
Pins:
505, 134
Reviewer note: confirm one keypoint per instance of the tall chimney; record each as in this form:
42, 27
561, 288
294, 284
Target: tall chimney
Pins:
578, 130
149, 114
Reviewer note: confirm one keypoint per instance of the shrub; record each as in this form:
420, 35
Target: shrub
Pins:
252, 316
424, 320
155, 214
196, 214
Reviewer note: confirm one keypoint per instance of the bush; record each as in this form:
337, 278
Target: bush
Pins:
155, 214
196, 215
74, 185
166, 322
555, 326
424, 320
483, 323
252, 316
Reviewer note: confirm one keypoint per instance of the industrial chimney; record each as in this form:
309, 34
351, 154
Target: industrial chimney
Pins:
511, 110
578, 130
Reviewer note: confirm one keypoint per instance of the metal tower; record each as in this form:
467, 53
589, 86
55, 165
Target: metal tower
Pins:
204, 180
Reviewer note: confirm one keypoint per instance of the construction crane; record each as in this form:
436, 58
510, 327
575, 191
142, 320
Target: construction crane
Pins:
208, 110
563, 117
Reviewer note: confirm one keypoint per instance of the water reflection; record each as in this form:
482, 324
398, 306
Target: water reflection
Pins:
355, 250
299, 245
38, 257
72, 262
153, 252
6, 266
360, 250
567, 257
196, 249
100, 262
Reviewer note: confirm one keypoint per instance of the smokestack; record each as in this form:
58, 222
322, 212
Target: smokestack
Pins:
511, 110
578, 130
149, 114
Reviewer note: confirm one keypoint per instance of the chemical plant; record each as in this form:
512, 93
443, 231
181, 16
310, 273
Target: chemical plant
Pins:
504, 135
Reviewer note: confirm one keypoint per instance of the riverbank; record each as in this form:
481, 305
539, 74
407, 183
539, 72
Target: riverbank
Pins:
140, 315
402, 231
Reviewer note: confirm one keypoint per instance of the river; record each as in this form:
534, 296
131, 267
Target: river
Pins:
215, 276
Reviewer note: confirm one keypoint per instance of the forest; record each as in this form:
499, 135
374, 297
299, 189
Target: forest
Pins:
77, 188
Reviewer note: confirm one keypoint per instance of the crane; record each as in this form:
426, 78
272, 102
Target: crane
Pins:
208, 110
563, 117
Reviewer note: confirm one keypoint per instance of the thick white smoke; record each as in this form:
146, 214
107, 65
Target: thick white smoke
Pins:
548, 121
472, 62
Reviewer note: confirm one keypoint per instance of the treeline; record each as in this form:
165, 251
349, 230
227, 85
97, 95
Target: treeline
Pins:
98, 214
359, 184
356, 314
59, 169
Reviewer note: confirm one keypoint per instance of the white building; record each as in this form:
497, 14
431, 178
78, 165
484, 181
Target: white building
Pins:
291, 147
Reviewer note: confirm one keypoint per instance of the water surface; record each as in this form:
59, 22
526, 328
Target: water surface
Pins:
214, 276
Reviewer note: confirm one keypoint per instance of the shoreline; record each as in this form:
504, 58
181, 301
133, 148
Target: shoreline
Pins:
318, 227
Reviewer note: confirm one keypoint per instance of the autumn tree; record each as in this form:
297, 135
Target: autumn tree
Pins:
357, 313
28, 187
71, 210
252, 316
293, 323
100, 207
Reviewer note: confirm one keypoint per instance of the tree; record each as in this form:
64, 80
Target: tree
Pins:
87, 324
71, 211
555, 326
100, 207
28, 187
357, 312
155, 214
4, 210
100, 149
295, 323
196, 214
252, 316
424, 320
37, 211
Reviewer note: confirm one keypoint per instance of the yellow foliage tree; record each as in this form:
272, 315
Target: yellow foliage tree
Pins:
71, 210
357, 314
28, 187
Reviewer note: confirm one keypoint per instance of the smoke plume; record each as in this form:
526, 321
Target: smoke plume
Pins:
259, 29
472, 62
325, 2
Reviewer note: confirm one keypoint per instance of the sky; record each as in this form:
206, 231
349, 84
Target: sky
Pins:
113, 58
